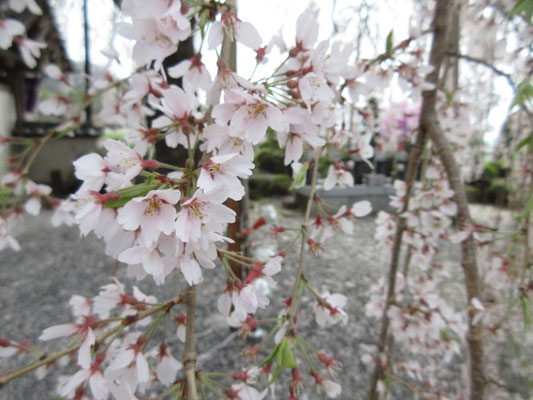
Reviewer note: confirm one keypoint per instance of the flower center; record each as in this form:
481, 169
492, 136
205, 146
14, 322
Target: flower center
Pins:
154, 206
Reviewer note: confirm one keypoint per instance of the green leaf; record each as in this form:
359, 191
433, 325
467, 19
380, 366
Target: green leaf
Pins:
287, 356
525, 7
301, 176
389, 44
272, 355
204, 17
4, 192
526, 312
523, 143
387, 384
449, 98
524, 92
276, 372
138, 190
527, 208
118, 203
129, 193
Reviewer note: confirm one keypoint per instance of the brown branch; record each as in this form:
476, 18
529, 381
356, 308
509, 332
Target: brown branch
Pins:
189, 352
501, 385
486, 64
438, 49
410, 175
6, 378
429, 124
410, 386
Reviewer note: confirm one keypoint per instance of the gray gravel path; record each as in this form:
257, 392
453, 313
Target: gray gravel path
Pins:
37, 282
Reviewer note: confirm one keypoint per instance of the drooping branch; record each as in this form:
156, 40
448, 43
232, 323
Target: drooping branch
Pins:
440, 27
189, 352
430, 125
6, 378
485, 63
301, 259
468, 250
412, 167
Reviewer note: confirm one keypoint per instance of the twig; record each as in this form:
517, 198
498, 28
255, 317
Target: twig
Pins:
4, 379
486, 64
301, 264
495, 382
410, 386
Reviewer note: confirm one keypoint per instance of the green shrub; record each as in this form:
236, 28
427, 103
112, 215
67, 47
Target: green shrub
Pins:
265, 185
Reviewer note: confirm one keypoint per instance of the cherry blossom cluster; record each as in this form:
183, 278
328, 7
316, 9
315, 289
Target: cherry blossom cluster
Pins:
14, 31
161, 219
422, 322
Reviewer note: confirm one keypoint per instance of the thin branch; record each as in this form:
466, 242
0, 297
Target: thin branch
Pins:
495, 382
6, 378
429, 123
301, 263
410, 386
189, 353
486, 64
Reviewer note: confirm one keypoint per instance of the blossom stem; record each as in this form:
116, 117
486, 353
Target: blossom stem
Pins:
241, 262
216, 374
172, 167
301, 339
229, 272
36, 151
151, 330
173, 389
313, 292
292, 242
238, 255
279, 67
409, 386
209, 383
306, 356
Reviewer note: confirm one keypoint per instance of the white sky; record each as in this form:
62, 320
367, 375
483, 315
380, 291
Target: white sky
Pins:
268, 17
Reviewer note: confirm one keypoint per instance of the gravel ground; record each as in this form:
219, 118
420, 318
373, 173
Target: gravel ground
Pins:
37, 282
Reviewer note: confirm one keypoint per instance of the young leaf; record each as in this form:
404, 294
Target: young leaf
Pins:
523, 143
389, 44
525, 7
302, 173
526, 312
527, 209
449, 98
276, 372
387, 384
271, 356
287, 356
129, 193
523, 93
5, 192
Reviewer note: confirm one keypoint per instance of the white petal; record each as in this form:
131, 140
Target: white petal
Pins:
57, 331
124, 358
75, 381
98, 385
143, 370
84, 355
362, 208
